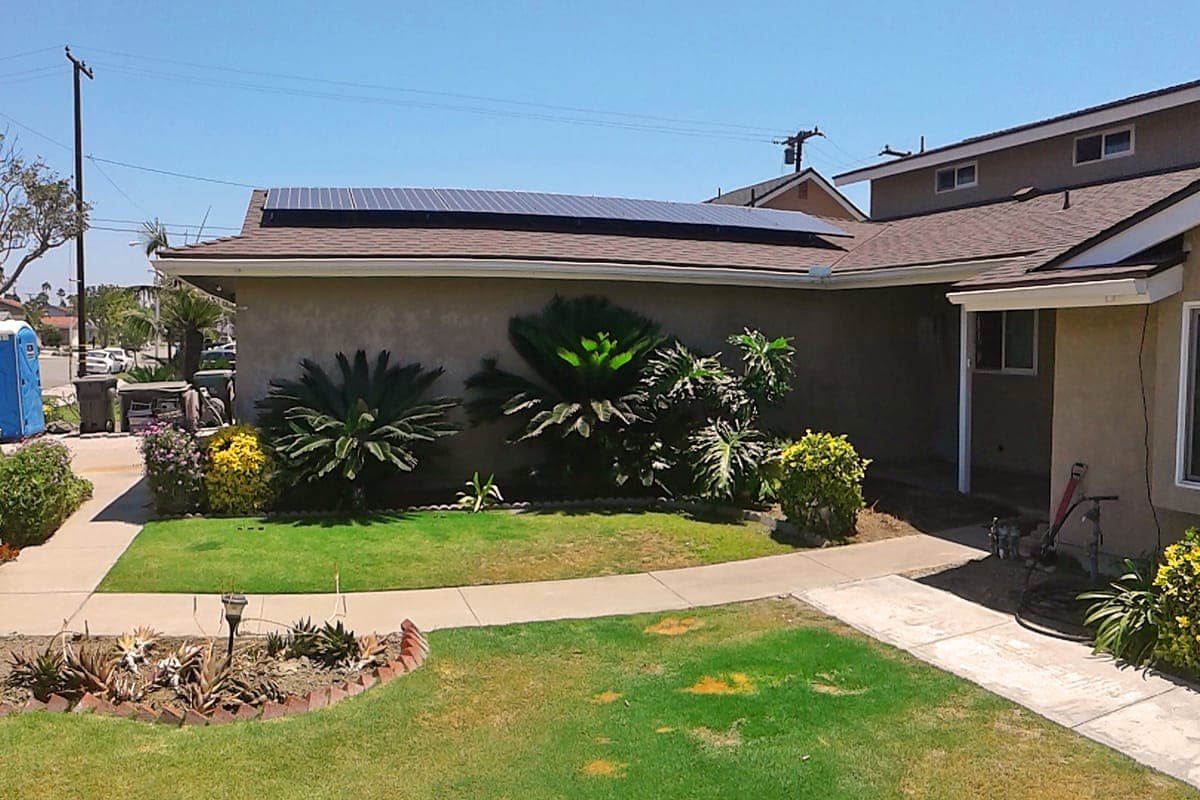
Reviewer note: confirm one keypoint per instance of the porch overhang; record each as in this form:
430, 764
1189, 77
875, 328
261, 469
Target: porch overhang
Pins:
1113, 291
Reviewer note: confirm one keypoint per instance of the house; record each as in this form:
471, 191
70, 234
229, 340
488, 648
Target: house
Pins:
1012, 305
805, 190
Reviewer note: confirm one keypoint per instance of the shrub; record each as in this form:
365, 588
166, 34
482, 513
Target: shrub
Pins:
174, 469
239, 474
1178, 585
586, 356
38, 491
821, 483
351, 434
152, 374
479, 494
1126, 616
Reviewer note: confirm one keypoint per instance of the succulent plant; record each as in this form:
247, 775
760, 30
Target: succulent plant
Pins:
371, 650
335, 645
276, 644
39, 672
90, 668
302, 639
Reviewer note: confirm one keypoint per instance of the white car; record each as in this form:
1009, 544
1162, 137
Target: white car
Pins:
122, 359
101, 362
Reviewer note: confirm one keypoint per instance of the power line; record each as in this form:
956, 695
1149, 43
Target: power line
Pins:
168, 224
492, 112
157, 171
34, 131
436, 93
30, 53
45, 70
121, 191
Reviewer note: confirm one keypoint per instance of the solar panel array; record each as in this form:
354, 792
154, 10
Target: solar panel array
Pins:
540, 204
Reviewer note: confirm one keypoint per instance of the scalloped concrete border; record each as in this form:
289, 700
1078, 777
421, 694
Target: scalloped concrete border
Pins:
414, 649
771, 523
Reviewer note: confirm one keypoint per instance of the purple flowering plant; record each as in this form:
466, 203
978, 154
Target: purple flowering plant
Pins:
174, 468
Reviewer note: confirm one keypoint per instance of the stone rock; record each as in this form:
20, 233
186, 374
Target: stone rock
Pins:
318, 699
385, 674
273, 710
33, 704
57, 704
59, 426
6, 709
220, 716
194, 718
87, 704
170, 716
295, 704
245, 712
337, 694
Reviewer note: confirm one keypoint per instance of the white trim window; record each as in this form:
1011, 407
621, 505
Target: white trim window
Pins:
1187, 451
1113, 143
1006, 342
960, 176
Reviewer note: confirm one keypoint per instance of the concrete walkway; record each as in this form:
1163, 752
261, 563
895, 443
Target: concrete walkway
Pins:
467, 606
1150, 718
49, 583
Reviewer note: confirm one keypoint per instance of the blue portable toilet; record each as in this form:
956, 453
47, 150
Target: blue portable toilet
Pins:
20, 382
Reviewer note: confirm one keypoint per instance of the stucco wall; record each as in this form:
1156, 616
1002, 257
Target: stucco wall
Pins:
1011, 414
879, 365
810, 198
1161, 140
1098, 416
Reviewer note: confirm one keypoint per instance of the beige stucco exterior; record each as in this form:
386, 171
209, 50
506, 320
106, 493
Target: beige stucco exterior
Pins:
878, 364
1162, 140
1098, 416
809, 197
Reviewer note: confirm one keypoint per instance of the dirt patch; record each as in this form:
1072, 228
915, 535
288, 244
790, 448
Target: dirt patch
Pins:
897, 505
671, 626
721, 740
991, 582
603, 768
604, 698
734, 683
664, 729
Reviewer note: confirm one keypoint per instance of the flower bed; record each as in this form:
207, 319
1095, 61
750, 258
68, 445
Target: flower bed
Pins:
142, 676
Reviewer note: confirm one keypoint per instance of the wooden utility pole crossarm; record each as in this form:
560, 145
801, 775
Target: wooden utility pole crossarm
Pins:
79, 68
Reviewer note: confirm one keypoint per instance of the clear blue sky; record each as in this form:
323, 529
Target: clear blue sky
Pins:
868, 73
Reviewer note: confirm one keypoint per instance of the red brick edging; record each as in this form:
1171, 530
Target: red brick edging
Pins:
413, 651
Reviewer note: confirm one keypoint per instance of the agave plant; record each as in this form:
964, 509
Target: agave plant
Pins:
335, 645
479, 494
371, 650
357, 429
88, 669
586, 355
40, 672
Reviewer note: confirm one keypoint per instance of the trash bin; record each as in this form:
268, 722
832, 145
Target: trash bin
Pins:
96, 395
219, 383
144, 403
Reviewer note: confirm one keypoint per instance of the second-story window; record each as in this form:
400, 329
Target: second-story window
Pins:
958, 177
1101, 146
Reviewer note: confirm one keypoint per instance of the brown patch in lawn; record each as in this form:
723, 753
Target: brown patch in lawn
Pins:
603, 768
723, 740
586, 555
602, 740
606, 697
735, 683
672, 626
664, 729
828, 684
874, 526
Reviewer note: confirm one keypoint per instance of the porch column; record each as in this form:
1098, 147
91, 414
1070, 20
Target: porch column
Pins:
966, 350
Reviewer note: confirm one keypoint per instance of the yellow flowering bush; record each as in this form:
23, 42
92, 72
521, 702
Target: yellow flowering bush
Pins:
820, 483
1178, 586
239, 475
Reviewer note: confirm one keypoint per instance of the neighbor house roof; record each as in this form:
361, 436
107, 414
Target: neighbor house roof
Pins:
987, 244
758, 194
1084, 119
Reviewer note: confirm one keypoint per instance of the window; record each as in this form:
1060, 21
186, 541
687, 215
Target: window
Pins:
1104, 145
951, 178
1006, 341
1188, 457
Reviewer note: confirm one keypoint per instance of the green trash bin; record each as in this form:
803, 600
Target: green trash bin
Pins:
96, 395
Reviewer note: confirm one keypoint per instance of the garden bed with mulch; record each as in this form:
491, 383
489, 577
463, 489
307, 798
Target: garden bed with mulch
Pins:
179, 680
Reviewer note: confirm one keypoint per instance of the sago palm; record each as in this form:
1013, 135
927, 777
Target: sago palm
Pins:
354, 430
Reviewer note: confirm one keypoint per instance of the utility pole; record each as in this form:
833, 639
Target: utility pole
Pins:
79, 68
793, 152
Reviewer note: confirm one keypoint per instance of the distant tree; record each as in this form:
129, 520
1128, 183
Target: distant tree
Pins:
33, 313
108, 311
190, 315
37, 213
62, 296
153, 236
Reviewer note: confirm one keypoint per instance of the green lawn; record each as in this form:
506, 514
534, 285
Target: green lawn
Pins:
602, 709
421, 550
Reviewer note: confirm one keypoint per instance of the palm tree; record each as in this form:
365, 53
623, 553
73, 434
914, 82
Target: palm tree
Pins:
188, 314
153, 237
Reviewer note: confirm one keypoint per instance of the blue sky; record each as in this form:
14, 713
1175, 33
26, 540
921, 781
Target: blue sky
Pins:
867, 73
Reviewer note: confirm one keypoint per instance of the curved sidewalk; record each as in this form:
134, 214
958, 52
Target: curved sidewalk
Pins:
466, 606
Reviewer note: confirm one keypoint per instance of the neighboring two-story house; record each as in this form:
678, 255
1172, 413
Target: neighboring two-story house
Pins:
1017, 302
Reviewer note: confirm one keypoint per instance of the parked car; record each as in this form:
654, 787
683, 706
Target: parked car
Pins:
101, 362
209, 359
122, 359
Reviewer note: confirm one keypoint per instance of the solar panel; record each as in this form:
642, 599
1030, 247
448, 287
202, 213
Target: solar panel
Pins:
484, 202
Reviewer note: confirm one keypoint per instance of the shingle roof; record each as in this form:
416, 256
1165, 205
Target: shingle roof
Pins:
277, 241
747, 194
1029, 235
